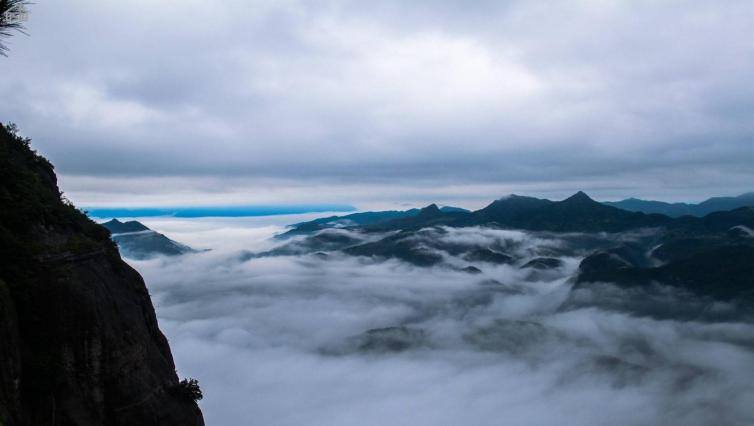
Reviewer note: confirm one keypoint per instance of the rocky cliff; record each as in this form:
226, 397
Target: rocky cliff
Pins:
79, 340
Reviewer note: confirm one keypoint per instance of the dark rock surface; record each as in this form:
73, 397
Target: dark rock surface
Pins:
80, 340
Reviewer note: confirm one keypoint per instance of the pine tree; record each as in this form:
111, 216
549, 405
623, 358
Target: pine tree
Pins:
12, 15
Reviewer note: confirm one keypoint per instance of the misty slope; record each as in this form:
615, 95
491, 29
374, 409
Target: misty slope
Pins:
725, 272
680, 209
137, 241
80, 340
358, 219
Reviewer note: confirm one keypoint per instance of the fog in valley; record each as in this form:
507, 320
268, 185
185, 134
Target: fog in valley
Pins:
331, 339
541, 213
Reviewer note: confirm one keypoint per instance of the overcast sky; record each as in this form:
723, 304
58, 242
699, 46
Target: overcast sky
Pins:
228, 102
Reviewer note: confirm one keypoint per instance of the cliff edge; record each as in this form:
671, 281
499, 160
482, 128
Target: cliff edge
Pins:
79, 341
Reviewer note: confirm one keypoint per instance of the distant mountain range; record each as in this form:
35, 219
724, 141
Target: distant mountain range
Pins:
712, 255
137, 241
681, 209
578, 213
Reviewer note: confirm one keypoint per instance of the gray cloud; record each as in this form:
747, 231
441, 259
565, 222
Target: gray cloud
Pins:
281, 340
620, 97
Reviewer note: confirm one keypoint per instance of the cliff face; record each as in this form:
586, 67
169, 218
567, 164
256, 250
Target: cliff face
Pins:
79, 341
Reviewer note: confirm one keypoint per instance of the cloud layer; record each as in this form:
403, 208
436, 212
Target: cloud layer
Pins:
286, 341
617, 97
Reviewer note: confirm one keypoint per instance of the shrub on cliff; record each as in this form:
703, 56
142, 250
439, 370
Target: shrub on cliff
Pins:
189, 389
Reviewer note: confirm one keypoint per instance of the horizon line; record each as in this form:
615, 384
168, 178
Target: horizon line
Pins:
216, 211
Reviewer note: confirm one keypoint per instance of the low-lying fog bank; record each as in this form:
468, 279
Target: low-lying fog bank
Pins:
341, 340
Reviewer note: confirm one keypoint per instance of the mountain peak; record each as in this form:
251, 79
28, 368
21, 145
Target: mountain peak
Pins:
117, 227
430, 210
579, 197
516, 199
512, 197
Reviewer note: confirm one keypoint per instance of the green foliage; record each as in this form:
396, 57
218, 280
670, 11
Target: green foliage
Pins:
32, 208
12, 15
189, 390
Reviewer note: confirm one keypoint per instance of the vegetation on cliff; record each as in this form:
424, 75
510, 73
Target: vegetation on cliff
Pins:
31, 202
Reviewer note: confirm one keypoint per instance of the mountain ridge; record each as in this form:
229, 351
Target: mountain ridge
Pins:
681, 209
357, 219
576, 213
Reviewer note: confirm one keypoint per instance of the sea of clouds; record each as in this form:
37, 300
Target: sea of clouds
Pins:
283, 340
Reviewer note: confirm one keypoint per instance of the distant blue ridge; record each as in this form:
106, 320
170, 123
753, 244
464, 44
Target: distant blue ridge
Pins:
233, 211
